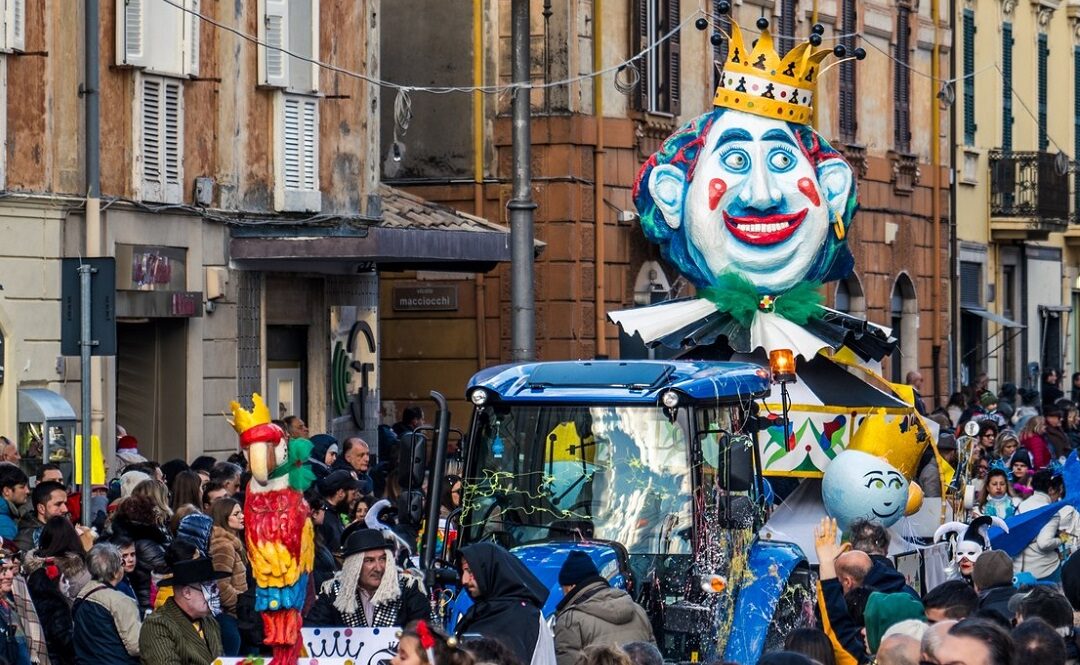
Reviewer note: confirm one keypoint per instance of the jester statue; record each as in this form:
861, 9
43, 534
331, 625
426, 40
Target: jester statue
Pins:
280, 536
752, 206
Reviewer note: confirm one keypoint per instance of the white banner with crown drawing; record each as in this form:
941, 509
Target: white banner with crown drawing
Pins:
337, 646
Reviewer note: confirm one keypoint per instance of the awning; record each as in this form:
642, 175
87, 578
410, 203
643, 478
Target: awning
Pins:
991, 316
410, 234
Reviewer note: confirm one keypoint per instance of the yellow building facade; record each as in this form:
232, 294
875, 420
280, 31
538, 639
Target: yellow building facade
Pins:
1016, 249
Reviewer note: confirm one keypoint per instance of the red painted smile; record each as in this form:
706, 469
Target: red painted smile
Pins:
766, 230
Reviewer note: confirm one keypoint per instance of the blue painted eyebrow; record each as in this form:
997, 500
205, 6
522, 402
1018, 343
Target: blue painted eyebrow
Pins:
732, 135
778, 135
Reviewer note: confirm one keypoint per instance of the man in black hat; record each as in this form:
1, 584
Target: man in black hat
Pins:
369, 591
592, 612
338, 490
183, 630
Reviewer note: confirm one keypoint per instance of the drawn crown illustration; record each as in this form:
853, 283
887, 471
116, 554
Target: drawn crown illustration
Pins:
757, 80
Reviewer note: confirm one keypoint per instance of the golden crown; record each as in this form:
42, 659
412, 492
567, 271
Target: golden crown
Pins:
899, 446
757, 80
243, 419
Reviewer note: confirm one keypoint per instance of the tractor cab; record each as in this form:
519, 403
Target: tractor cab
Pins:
651, 468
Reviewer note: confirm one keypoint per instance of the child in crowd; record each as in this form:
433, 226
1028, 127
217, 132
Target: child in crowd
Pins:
1021, 473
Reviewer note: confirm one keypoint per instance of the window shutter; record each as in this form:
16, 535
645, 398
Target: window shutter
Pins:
1006, 87
172, 139
970, 284
297, 153
847, 87
1044, 53
902, 82
969, 77
274, 34
131, 32
192, 29
15, 24
315, 69
721, 27
641, 33
674, 64
152, 186
786, 27
292, 136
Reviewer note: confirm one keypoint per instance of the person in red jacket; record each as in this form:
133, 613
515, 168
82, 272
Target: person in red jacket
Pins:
1032, 438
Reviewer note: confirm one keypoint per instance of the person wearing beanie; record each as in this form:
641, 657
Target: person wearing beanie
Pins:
993, 580
883, 610
592, 612
1020, 465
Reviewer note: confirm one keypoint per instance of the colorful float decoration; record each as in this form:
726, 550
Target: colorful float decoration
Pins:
278, 529
753, 206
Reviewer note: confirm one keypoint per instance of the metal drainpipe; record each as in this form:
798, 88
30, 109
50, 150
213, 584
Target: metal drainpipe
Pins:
954, 300
599, 250
935, 164
91, 99
478, 173
522, 289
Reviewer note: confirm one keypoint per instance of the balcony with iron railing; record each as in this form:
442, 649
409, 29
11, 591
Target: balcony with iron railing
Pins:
1030, 194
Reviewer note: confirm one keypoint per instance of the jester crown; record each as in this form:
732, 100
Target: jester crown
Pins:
758, 81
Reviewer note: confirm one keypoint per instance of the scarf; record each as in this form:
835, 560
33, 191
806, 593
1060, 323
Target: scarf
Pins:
29, 621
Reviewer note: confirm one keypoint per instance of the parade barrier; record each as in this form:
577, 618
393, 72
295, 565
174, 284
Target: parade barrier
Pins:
337, 646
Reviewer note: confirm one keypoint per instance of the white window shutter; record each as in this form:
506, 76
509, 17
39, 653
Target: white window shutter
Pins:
15, 25
131, 32
315, 55
309, 131
149, 162
296, 154
192, 28
172, 139
274, 37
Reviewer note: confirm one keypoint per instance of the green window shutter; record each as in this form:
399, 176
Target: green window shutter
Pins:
969, 77
1006, 87
1044, 54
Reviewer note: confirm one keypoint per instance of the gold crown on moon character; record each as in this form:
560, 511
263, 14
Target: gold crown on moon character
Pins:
757, 80
890, 440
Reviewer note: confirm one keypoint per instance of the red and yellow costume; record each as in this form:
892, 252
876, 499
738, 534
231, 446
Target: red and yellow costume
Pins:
279, 533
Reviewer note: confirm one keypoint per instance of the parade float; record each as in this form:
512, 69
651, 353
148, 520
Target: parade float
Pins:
659, 470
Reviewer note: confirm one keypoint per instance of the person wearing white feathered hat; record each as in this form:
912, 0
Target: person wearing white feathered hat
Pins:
971, 540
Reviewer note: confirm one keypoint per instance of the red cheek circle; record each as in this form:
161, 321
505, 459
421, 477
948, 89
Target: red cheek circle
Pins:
717, 189
806, 186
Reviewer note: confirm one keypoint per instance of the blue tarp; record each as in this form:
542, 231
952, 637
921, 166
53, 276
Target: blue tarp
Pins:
1025, 527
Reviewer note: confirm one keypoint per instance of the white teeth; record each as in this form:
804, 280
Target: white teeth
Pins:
757, 227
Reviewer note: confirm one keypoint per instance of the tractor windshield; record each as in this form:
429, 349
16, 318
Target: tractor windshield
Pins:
615, 473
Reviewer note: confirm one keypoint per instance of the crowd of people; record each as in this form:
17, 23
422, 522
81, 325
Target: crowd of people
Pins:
869, 614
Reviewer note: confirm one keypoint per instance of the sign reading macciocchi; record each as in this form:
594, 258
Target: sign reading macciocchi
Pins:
425, 298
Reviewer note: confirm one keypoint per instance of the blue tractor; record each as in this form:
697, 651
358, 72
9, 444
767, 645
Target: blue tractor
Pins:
651, 468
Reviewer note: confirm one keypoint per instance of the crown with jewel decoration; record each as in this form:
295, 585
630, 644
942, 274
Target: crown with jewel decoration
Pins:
244, 420
757, 80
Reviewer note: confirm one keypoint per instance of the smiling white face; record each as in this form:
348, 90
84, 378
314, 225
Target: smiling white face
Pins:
965, 555
755, 204
859, 485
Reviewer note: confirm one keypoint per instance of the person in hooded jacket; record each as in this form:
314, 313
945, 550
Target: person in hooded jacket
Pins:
507, 601
55, 573
993, 580
592, 612
137, 520
324, 452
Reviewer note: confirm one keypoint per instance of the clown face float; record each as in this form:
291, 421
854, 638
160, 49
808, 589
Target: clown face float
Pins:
749, 188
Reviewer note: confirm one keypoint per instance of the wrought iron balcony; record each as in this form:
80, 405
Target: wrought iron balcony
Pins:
1030, 193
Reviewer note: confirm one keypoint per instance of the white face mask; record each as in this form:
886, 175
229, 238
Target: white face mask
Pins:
65, 586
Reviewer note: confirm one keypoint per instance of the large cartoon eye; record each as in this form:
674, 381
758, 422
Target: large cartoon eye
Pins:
877, 484
781, 160
736, 161
895, 483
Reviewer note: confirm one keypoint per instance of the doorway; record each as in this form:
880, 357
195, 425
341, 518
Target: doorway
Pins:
286, 371
151, 385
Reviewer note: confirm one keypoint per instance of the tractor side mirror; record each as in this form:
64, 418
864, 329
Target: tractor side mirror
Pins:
411, 508
412, 459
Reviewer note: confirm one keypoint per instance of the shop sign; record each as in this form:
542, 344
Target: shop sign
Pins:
425, 298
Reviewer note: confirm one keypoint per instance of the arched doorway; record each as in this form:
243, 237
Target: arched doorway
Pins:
849, 297
904, 318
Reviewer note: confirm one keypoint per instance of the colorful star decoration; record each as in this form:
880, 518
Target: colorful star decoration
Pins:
767, 304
